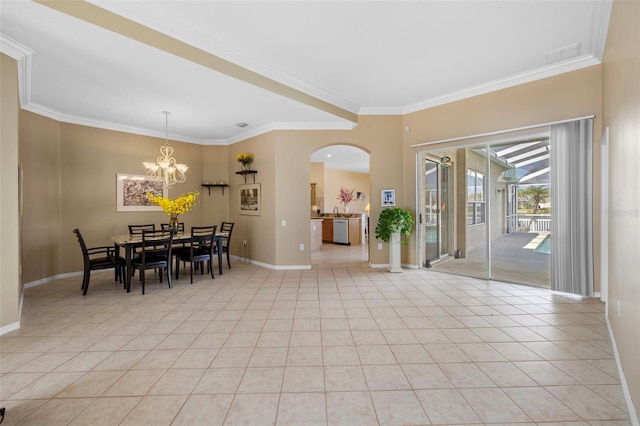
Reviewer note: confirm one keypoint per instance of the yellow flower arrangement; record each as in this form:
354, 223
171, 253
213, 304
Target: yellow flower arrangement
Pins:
245, 158
181, 205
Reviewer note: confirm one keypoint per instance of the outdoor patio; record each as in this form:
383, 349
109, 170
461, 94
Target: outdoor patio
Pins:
514, 259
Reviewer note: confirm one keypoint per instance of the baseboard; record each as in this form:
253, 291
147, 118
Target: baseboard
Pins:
633, 416
60, 276
273, 267
9, 328
379, 265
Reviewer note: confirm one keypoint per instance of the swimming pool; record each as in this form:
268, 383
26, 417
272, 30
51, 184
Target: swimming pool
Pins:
544, 246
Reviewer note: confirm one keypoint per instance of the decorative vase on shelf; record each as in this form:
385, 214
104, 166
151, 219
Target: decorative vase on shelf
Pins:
246, 166
173, 224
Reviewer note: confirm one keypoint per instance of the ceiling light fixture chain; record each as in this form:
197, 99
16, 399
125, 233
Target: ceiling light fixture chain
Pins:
165, 168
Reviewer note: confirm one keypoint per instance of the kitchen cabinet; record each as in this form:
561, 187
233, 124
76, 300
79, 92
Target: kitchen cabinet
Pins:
327, 230
354, 231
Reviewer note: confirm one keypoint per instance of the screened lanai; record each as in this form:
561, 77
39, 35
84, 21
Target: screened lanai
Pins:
505, 194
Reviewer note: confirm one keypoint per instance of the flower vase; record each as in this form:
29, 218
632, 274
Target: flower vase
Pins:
173, 224
245, 166
346, 207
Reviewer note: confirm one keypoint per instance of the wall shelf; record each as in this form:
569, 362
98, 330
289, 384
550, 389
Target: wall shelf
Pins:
244, 174
215, 185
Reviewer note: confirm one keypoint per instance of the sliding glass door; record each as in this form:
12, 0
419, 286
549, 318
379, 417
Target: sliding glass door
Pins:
485, 211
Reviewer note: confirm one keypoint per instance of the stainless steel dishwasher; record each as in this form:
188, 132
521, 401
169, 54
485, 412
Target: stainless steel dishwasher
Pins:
340, 231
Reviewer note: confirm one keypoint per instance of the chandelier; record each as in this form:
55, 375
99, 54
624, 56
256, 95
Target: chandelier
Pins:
165, 168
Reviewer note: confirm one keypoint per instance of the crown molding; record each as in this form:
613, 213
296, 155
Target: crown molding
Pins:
100, 124
601, 19
281, 125
24, 58
515, 80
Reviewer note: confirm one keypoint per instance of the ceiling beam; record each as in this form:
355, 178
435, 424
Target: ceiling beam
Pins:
120, 25
535, 174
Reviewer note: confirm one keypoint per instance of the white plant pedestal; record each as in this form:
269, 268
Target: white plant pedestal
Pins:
394, 253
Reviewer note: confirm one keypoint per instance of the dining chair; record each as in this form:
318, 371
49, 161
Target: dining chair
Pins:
96, 258
226, 228
139, 229
155, 253
200, 249
165, 226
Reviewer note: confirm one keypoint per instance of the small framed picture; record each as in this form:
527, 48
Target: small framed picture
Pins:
388, 197
250, 199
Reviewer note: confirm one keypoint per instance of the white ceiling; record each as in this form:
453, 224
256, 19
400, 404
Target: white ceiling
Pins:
363, 57
342, 157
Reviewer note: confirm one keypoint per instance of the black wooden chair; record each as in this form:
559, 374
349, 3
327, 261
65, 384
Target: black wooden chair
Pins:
139, 229
165, 226
200, 250
227, 228
155, 253
96, 258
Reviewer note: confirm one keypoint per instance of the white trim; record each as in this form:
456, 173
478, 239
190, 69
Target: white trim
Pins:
273, 267
378, 265
277, 125
84, 121
514, 80
602, 17
500, 132
633, 416
9, 328
604, 216
100, 124
24, 58
60, 276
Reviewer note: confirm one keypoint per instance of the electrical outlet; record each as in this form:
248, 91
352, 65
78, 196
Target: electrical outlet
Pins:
244, 243
284, 223
301, 247
379, 246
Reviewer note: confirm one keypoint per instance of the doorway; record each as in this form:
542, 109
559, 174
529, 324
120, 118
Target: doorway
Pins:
485, 211
437, 206
334, 169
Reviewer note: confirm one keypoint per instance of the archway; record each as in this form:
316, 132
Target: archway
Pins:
339, 238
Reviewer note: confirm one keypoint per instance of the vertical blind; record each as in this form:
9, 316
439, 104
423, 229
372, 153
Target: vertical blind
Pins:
571, 201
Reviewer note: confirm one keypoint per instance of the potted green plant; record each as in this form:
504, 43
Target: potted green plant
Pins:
394, 225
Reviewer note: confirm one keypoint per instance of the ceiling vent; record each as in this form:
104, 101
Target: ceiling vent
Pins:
241, 124
563, 53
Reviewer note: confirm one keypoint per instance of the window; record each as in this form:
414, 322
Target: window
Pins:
475, 198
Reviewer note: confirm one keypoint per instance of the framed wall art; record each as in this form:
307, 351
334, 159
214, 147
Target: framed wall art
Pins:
131, 193
250, 203
388, 197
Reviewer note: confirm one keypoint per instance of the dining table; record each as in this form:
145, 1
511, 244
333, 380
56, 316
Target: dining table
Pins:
129, 242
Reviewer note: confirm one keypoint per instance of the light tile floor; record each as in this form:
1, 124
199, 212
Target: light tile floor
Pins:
327, 346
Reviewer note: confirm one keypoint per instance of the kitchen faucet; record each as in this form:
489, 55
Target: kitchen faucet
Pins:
335, 210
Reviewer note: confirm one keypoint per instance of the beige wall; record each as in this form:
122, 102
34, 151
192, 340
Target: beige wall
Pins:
380, 136
41, 218
90, 158
570, 95
334, 179
70, 182
10, 283
621, 107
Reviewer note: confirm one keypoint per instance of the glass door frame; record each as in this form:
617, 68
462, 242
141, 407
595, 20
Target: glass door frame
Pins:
422, 159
